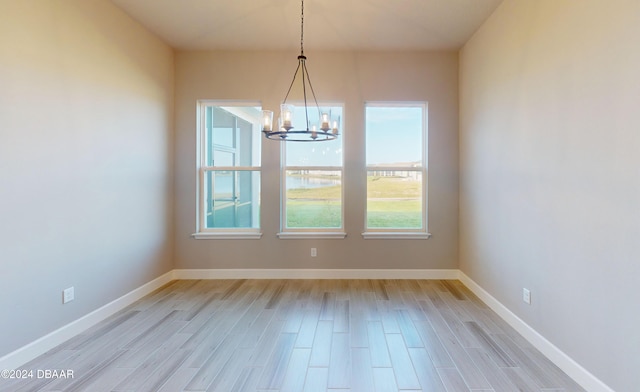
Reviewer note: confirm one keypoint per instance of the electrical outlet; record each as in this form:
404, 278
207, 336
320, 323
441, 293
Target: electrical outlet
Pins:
68, 295
526, 296
314, 252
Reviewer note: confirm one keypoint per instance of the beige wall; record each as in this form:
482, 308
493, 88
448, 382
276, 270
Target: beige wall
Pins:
550, 178
86, 107
548, 159
349, 77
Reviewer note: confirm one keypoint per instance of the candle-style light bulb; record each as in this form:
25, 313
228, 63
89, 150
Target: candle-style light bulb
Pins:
324, 123
267, 120
286, 112
335, 126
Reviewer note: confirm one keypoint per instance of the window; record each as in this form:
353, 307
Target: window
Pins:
229, 170
312, 184
396, 160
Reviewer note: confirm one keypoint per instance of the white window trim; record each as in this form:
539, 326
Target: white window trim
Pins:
237, 235
300, 235
401, 233
392, 235
203, 233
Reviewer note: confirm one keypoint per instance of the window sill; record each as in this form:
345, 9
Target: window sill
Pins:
379, 235
338, 235
227, 236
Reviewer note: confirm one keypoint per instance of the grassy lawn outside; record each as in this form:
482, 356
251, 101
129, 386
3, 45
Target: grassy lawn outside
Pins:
393, 203
313, 214
392, 187
401, 214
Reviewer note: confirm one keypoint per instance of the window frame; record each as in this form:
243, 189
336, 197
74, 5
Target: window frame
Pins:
203, 232
400, 233
313, 232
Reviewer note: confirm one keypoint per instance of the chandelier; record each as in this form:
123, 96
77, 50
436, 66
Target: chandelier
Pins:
327, 129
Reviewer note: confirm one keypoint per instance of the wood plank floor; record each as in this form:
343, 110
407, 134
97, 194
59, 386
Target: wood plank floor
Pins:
300, 336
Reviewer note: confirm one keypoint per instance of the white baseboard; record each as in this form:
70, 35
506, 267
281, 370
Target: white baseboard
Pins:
38, 347
573, 369
316, 273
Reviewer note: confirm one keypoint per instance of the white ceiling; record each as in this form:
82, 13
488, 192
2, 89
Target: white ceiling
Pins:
328, 24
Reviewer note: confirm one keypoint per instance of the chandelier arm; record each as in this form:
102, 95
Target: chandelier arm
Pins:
292, 81
304, 94
313, 93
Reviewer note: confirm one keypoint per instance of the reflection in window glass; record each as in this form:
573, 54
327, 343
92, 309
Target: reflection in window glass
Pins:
229, 198
230, 167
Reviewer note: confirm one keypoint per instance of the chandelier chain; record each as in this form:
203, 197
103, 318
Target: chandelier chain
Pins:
285, 130
302, 28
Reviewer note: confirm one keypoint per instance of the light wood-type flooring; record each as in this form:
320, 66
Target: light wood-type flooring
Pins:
300, 336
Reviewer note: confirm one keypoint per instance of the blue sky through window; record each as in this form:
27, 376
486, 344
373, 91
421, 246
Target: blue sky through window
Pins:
394, 134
